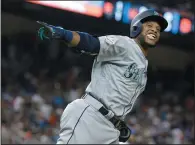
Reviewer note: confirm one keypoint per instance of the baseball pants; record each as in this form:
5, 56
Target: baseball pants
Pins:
82, 123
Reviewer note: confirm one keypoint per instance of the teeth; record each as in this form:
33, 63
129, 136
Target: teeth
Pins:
151, 36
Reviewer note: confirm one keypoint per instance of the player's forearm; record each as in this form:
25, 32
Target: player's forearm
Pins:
71, 38
81, 41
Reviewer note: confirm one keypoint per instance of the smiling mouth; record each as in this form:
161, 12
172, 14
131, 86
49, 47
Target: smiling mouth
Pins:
151, 36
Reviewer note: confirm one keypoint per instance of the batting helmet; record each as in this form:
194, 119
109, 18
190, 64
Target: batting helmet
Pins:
148, 15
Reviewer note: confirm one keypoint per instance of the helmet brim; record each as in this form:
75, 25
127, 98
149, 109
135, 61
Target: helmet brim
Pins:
160, 20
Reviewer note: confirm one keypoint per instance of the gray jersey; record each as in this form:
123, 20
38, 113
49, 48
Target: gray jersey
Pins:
119, 73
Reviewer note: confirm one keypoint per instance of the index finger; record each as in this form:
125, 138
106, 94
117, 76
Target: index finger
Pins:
44, 24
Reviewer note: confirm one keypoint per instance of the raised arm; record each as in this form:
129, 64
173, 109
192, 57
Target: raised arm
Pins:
80, 41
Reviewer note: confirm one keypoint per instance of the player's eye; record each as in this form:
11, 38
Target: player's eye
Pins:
158, 29
149, 25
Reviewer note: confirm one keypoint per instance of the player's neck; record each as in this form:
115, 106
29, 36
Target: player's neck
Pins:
144, 50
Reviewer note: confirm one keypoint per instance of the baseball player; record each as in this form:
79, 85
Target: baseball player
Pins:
119, 76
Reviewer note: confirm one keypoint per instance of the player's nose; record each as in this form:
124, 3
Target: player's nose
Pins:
153, 30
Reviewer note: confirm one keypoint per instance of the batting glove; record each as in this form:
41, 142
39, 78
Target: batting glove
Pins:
50, 31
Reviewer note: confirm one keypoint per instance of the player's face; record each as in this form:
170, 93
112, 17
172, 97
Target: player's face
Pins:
151, 33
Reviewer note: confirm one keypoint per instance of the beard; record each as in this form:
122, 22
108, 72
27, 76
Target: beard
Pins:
143, 43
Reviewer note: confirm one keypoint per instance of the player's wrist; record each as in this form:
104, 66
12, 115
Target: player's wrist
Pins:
62, 34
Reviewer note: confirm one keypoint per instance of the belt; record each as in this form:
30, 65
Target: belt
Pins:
115, 121
102, 109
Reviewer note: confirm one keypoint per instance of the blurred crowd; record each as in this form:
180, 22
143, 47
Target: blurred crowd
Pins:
40, 78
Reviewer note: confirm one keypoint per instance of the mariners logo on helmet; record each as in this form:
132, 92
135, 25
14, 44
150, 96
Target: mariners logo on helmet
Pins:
155, 13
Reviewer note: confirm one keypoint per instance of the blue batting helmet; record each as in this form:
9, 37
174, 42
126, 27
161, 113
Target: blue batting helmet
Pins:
148, 15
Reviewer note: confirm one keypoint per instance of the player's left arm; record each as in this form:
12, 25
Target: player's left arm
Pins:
80, 41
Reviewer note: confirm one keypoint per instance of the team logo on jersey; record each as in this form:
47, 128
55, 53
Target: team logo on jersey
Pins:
133, 72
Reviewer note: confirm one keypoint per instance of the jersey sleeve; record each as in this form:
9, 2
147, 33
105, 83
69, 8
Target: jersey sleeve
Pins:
112, 48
